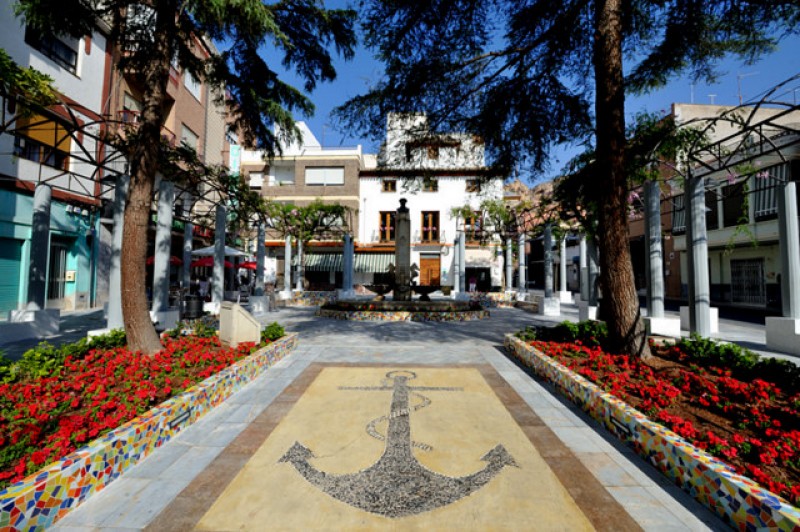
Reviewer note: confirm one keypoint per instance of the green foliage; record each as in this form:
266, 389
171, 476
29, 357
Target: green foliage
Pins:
272, 332
743, 363
306, 222
204, 330
591, 333
46, 359
34, 88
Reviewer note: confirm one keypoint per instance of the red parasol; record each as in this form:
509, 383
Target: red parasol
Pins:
208, 262
248, 265
173, 260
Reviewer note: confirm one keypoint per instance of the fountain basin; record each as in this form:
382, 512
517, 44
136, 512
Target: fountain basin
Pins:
403, 311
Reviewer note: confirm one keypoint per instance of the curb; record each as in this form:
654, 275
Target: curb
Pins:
41, 499
737, 499
368, 315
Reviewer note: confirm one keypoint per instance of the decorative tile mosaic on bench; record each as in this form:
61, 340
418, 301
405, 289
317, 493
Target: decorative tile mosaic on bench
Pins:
312, 299
38, 501
495, 299
371, 315
737, 499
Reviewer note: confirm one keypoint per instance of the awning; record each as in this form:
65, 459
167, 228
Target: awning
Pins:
323, 262
333, 262
373, 262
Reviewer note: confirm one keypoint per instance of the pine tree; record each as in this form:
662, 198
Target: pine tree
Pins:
527, 76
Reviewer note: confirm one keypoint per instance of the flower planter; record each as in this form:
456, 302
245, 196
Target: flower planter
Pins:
735, 498
41, 499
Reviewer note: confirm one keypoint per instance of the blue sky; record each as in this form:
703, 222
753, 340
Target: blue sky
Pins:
355, 77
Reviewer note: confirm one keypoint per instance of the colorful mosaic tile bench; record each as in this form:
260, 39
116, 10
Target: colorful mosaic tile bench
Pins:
311, 299
737, 499
495, 299
44, 497
371, 315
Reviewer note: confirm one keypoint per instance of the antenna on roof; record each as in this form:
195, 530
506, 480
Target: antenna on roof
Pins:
711, 97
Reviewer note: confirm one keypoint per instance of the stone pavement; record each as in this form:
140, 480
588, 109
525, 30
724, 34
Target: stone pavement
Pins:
349, 429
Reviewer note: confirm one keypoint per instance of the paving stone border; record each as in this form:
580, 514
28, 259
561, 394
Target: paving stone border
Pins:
737, 499
402, 315
38, 501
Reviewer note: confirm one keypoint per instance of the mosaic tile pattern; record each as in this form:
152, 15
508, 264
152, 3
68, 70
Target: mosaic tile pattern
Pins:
398, 485
38, 501
495, 299
312, 299
370, 315
736, 498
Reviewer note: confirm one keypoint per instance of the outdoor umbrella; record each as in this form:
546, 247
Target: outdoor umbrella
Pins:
208, 262
173, 260
211, 250
248, 265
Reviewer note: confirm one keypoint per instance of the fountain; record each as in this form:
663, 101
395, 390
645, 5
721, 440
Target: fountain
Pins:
402, 307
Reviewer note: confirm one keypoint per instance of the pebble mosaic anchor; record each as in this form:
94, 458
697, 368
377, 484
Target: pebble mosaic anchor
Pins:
397, 485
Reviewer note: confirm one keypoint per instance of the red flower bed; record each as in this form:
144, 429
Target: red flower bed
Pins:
42, 420
754, 426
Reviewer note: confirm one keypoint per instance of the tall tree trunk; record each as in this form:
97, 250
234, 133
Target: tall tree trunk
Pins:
620, 301
141, 333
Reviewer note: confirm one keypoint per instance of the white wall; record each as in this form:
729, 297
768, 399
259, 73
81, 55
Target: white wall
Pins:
85, 86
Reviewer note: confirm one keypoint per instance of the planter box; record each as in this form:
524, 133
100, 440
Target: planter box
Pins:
48, 495
735, 498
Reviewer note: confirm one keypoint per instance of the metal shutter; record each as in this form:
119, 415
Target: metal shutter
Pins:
10, 262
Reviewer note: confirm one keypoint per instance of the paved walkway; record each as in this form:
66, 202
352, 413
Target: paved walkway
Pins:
402, 426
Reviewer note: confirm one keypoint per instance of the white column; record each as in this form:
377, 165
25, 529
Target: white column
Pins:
261, 256
697, 246
509, 265
564, 295
188, 239
287, 266
348, 260
654, 258
462, 264
299, 280
163, 246
218, 292
523, 263
114, 319
456, 263
40, 247
583, 267
783, 334
548, 261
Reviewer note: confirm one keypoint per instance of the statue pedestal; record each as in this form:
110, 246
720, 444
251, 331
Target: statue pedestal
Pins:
663, 327
783, 334
586, 311
548, 306
565, 297
259, 305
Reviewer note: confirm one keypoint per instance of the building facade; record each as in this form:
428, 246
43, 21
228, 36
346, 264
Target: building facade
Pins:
435, 173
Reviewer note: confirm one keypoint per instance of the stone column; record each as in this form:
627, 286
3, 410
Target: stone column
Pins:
457, 263
593, 272
462, 263
697, 246
218, 292
402, 253
654, 255
789, 243
163, 246
287, 265
782, 333
299, 278
583, 273
40, 247
509, 264
188, 242
347, 264
548, 261
523, 264
261, 256
114, 319
562, 264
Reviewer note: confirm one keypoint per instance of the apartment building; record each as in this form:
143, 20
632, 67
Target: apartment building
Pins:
53, 148
304, 172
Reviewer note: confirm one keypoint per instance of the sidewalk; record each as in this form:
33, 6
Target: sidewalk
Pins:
300, 446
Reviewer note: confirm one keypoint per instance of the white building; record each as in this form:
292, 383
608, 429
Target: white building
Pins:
435, 173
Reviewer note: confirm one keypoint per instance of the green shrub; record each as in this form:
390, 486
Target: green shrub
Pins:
45, 359
272, 332
590, 332
743, 363
204, 330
